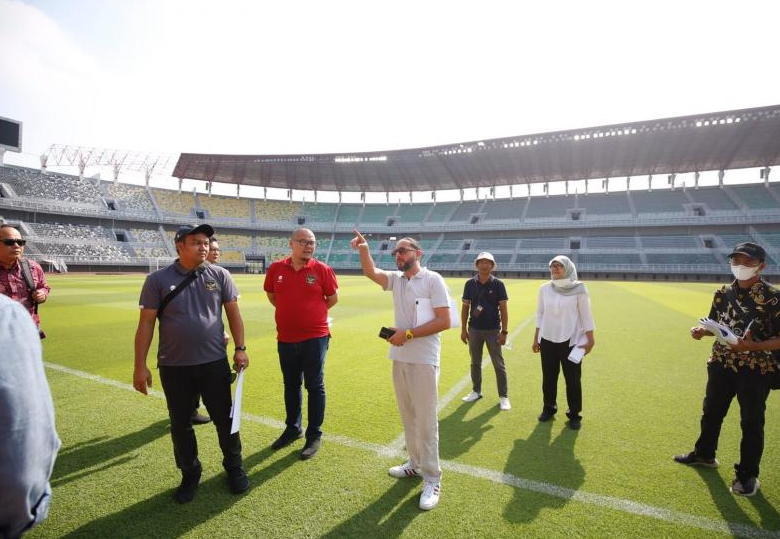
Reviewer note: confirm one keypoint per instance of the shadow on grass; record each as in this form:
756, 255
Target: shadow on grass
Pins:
161, 517
457, 435
80, 460
384, 518
553, 465
729, 508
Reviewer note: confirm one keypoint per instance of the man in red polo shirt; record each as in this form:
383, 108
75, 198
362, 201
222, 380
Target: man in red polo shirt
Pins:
302, 289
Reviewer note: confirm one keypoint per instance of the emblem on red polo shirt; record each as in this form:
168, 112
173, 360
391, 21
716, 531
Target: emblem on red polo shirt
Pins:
310, 279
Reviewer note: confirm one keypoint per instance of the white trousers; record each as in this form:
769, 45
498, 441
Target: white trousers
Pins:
416, 392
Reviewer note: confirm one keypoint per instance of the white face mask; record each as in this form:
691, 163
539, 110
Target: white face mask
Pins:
744, 273
562, 283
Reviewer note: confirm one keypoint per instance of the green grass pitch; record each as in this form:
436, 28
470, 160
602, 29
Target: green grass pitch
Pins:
505, 475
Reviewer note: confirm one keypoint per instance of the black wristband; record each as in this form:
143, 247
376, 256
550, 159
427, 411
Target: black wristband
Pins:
504, 332
240, 348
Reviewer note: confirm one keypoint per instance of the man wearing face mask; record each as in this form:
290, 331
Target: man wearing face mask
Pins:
750, 307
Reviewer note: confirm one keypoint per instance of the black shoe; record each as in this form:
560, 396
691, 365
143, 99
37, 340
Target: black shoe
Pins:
745, 486
237, 480
200, 419
575, 424
187, 489
692, 459
286, 439
546, 415
310, 448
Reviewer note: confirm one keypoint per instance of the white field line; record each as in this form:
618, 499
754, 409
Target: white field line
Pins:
397, 444
609, 502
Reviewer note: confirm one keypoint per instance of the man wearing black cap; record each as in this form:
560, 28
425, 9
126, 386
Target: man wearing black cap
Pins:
188, 297
750, 307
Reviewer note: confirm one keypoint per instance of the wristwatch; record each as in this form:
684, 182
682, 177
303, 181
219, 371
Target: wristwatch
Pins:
409, 335
504, 332
240, 348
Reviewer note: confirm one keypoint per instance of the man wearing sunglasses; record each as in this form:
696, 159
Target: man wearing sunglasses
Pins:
415, 351
302, 289
12, 279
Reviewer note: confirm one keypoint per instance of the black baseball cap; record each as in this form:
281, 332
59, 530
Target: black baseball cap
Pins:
750, 249
187, 230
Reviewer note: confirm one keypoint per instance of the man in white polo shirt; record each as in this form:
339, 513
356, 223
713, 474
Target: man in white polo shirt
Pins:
415, 353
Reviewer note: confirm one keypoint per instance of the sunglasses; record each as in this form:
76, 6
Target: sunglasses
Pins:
402, 251
10, 242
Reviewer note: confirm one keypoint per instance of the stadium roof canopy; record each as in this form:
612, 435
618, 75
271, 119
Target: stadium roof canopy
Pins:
715, 141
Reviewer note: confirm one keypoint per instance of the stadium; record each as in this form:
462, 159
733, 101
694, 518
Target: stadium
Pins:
678, 233
648, 205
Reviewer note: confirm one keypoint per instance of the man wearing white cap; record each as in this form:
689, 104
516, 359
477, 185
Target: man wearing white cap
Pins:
484, 308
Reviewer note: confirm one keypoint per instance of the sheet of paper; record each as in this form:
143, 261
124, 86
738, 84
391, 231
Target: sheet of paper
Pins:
235, 411
425, 312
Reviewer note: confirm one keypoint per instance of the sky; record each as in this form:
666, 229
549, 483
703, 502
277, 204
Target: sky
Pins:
276, 77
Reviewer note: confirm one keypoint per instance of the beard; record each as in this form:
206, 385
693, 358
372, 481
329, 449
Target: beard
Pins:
406, 266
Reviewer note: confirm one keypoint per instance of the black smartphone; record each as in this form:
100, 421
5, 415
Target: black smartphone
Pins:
385, 333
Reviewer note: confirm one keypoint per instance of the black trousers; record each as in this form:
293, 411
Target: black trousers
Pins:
304, 362
182, 385
751, 389
554, 357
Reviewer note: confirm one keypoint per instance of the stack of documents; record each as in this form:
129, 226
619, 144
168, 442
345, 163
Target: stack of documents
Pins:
722, 333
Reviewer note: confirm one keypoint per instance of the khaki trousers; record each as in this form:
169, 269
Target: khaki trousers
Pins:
416, 392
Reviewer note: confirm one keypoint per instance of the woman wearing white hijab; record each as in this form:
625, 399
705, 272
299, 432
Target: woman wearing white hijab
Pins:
564, 324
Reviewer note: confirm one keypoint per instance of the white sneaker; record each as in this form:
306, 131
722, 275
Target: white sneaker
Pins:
504, 403
404, 470
430, 495
471, 397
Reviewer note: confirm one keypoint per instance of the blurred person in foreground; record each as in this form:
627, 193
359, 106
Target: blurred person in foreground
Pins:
302, 289
28, 440
415, 350
564, 322
484, 322
191, 355
21, 279
750, 307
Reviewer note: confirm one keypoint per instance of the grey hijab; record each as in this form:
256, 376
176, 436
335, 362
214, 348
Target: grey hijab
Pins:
572, 287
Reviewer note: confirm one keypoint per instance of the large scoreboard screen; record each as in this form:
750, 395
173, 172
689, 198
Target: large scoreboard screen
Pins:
10, 134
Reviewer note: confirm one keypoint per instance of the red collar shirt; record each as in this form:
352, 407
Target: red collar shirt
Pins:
13, 285
301, 311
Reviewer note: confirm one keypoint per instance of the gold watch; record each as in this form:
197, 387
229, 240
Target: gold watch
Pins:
409, 335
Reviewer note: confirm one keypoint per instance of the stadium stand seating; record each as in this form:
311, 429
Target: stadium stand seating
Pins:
504, 210
756, 197
464, 211
600, 204
275, 210
174, 202
412, 213
130, 197
668, 242
223, 207
35, 185
75, 224
664, 201
349, 213
714, 197
320, 213
376, 213
611, 242
442, 211
549, 208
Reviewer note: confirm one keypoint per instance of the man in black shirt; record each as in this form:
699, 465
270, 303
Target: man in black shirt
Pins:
484, 299
750, 307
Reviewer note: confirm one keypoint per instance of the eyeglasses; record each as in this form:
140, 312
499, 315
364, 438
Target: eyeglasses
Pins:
402, 251
306, 243
10, 242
